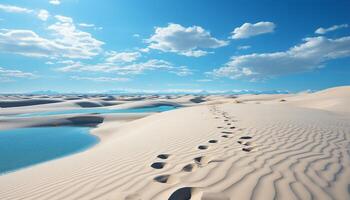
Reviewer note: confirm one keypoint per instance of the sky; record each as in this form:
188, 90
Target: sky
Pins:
173, 46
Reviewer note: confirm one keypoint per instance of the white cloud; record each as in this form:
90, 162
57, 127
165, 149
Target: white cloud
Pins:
194, 53
332, 28
14, 9
55, 2
49, 63
145, 50
136, 35
134, 68
244, 47
310, 55
86, 25
182, 71
115, 57
102, 79
64, 19
43, 14
8, 75
125, 69
66, 41
248, 30
188, 41
204, 80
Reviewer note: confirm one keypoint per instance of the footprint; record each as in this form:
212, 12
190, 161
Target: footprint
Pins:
199, 159
181, 194
212, 141
188, 168
202, 147
220, 127
245, 137
247, 149
247, 143
163, 156
224, 136
232, 127
226, 132
158, 165
162, 178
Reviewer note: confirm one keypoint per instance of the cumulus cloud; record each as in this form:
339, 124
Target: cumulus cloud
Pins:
86, 25
55, 2
332, 28
182, 71
14, 9
134, 68
310, 55
66, 41
188, 41
125, 68
243, 47
43, 15
115, 57
102, 79
248, 30
9, 74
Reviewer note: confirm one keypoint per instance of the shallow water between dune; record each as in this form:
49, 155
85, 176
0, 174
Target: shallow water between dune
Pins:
23, 147
100, 111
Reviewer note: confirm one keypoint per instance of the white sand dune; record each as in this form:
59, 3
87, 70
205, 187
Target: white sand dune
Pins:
333, 99
216, 150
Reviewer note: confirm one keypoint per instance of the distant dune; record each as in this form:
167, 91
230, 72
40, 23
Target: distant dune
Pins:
18, 103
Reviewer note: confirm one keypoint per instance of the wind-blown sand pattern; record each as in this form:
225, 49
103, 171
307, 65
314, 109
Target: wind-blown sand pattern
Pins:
221, 148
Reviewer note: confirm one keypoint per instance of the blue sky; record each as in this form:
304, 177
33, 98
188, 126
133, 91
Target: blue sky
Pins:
97, 46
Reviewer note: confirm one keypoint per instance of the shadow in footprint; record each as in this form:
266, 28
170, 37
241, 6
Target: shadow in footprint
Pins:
198, 160
232, 127
163, 156
248, 149
212, 141
202, 147
245, 138
181, 194
247, 143
188, 168
158, 165
226, 132
224, 136
162, 178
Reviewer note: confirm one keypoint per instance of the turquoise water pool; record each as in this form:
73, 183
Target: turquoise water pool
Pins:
100, 110
24, 147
